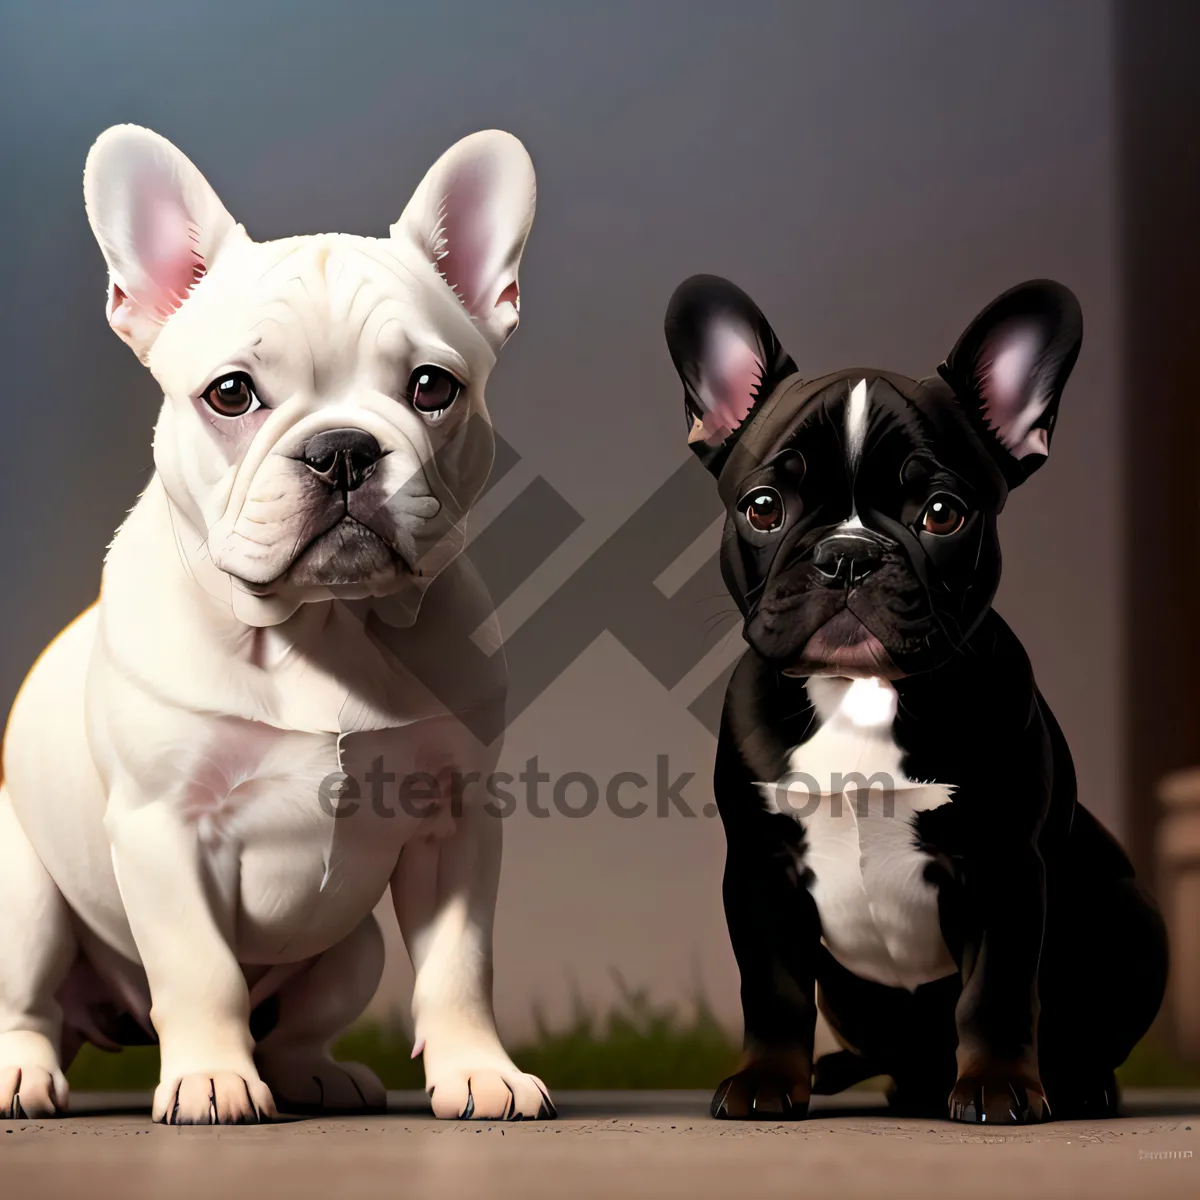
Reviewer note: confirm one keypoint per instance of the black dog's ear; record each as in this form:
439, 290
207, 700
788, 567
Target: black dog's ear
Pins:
728, 358
1010, 368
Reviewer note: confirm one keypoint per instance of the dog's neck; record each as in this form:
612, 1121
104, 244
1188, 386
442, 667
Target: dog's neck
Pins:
163, 602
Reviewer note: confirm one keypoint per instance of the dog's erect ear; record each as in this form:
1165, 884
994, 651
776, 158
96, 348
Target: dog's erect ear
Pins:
728, 358
158, 223
1011, 366
470, 216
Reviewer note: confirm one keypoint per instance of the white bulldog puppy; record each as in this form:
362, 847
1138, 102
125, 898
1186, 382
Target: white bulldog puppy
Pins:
193, 829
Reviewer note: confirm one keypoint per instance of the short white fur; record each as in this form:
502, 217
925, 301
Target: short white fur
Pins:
166, 837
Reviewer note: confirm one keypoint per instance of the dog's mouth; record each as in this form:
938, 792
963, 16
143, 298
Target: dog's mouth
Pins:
844, 646
346, 554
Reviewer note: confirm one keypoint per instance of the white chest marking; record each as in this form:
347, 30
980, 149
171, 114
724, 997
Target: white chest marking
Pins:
879, 914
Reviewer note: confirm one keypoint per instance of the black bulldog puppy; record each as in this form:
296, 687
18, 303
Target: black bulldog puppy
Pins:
905, 846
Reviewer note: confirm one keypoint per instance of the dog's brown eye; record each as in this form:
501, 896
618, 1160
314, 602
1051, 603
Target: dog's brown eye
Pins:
764, 509
942, 516
232, 395
432, 391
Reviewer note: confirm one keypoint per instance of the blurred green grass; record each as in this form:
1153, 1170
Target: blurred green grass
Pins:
638, 1045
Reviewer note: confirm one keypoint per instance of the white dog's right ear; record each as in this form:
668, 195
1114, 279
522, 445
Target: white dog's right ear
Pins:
158, 223
470, 217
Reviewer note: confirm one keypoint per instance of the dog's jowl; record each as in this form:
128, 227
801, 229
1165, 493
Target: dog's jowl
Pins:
172, 867
905, 847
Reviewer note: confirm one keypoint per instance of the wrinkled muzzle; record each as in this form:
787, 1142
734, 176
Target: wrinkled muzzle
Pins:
343, 507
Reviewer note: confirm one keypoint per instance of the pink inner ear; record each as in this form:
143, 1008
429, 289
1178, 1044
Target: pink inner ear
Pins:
468, 236
165, 244
510, 295
1008, 386
729, 380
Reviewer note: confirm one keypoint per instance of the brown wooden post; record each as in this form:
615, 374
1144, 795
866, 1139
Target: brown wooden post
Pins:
1159, 163
1158, 89
1179, 886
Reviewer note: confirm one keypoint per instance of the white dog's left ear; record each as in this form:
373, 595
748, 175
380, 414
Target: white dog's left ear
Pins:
470, 217
158, 223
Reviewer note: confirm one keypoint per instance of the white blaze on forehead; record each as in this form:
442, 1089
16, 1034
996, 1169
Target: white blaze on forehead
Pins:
856, 422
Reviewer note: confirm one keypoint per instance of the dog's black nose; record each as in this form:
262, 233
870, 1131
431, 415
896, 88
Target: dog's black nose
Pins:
847, 559
344, 458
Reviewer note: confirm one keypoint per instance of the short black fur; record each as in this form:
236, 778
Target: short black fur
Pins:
864, 544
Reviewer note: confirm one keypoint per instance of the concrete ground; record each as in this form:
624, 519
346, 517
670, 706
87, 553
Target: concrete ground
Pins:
606, 1145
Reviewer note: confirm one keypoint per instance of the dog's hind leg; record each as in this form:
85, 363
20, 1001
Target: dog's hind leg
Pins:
1103, 975
37, 948
311, 1009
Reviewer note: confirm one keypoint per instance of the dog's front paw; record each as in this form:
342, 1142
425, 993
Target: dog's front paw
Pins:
764, 1090
31, 1083
314, 1083
998, 1098
490, 1094
31, 1092
213, 1098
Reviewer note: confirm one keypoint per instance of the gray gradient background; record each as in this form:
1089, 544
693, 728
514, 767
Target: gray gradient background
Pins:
872, 173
